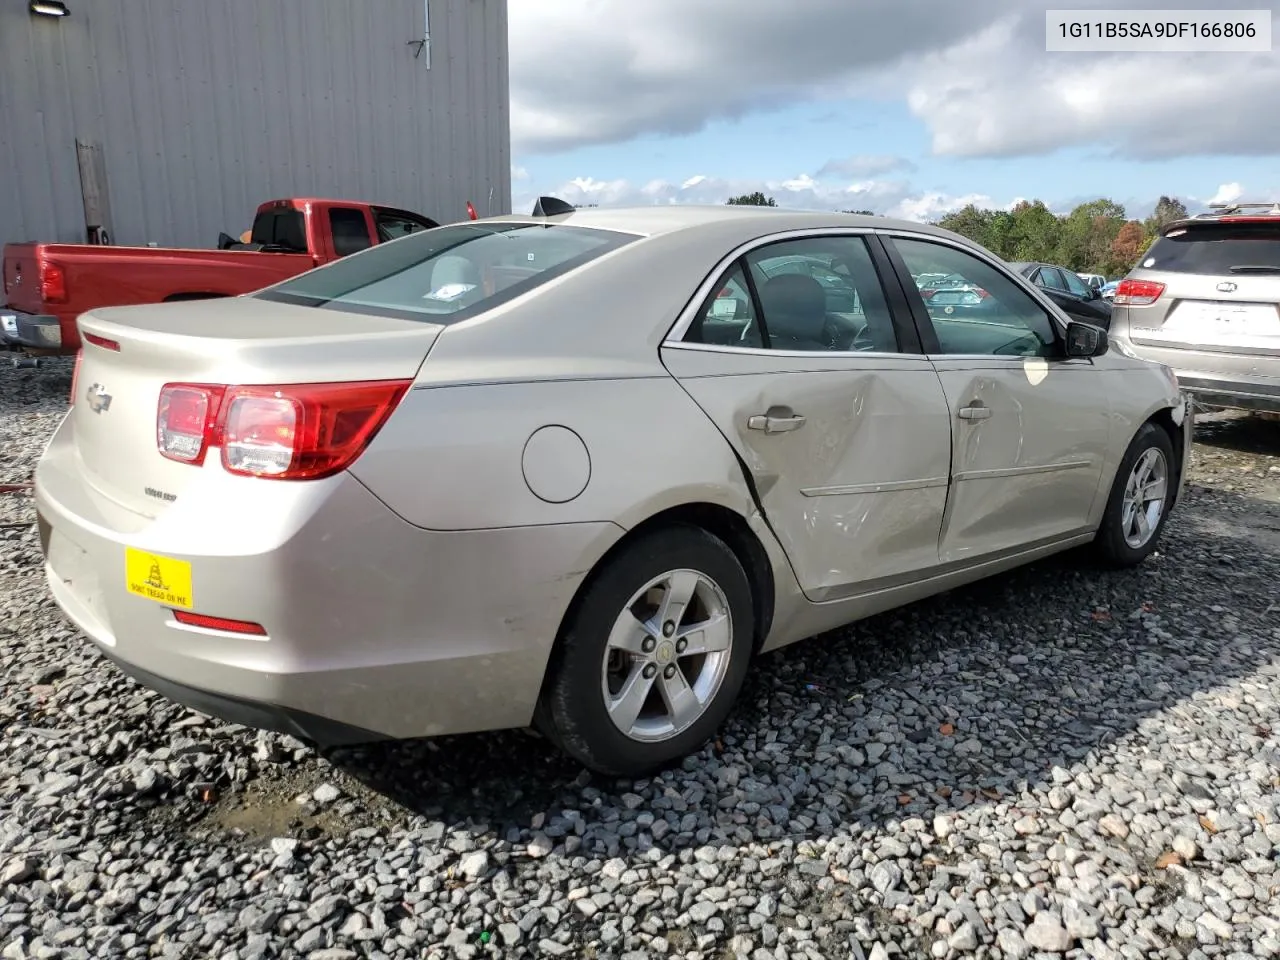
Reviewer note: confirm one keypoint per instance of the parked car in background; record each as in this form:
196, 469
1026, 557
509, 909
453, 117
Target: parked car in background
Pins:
399, 496
1065, 288
1108, 291
1205, 299
1095, 281
47, 285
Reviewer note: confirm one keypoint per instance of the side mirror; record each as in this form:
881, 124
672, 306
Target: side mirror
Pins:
1085, 340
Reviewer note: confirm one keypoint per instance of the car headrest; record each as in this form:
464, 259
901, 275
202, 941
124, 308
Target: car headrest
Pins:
795, 306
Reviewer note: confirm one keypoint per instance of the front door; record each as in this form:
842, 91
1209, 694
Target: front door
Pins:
796, 356
1030, 428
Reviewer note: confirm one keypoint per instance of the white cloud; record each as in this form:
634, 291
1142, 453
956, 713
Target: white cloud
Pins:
518, 174
892, 198
977, 74
1227, 193
997, 93
865, 166
603, 71
800, 184
931, 206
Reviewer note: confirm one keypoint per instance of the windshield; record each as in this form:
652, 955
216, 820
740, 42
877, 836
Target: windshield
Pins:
450, 273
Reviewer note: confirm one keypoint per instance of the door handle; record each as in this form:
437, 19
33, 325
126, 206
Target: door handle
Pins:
975, 411
775, 421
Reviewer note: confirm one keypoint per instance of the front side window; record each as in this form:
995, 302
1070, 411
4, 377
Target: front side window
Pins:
812, 294
394, 224
1051, 279
989, 315
450, 273
1075, 286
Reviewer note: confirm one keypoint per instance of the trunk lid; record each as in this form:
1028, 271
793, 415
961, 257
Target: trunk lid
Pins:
229, 341
21, 271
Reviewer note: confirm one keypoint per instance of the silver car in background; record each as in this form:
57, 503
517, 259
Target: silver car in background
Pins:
577, 470
1205, 299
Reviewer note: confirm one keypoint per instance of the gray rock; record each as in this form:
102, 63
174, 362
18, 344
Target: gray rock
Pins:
326, 794
474, 865
1047, 934
885, 876
1011, 944
965, 939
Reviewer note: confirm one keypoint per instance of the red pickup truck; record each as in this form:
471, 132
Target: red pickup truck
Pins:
48, 285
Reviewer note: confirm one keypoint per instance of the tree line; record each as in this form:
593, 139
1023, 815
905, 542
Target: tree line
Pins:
1095, 237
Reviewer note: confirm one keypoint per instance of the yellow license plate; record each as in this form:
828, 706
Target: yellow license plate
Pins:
158, 578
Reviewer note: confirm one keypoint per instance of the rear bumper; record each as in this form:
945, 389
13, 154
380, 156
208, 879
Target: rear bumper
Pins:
29, 330
1238, 380
1213, 391
375, 628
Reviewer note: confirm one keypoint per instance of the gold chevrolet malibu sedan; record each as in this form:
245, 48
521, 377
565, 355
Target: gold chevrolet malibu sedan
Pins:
577, 469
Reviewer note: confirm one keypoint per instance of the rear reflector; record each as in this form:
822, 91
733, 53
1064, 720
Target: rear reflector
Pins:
102, 342
219, 623
290, 432
1138, 293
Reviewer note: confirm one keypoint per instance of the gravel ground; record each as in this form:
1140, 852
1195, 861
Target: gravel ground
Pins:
1059, 762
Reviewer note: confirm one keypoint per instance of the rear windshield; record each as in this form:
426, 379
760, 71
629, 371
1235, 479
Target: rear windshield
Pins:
450, 273
1216, 249
280, 228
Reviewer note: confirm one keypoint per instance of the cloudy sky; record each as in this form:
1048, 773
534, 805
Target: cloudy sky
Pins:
905, 107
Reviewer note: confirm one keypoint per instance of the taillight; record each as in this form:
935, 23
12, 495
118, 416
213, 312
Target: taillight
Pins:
927, 292
982, 294
53, 283
75, 377
293, 432
186, 419
1138, 293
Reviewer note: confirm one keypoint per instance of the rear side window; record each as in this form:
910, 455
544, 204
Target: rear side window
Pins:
1216, 249
281, 228
448, 274
350, 230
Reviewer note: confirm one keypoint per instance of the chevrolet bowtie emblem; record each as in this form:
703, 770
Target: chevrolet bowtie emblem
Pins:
98, 399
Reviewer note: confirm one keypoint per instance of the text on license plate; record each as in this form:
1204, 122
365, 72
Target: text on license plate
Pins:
162, 579
1234, 317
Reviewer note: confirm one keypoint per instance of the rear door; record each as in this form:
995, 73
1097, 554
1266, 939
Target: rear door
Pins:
806, 359
1211, 290
1030, 427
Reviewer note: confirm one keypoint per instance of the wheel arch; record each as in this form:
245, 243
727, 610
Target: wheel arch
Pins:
720, 521
1164, 419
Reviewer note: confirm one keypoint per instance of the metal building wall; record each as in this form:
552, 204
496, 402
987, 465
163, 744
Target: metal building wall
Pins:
206, 108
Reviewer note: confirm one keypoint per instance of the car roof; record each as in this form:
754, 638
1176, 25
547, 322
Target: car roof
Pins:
754, 221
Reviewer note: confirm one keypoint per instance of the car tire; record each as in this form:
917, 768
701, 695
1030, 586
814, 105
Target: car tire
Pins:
616, 651
1131, 528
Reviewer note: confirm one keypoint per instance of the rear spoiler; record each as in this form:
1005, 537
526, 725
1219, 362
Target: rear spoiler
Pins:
1229, 213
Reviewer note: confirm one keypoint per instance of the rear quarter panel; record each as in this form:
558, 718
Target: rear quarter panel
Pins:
454, 457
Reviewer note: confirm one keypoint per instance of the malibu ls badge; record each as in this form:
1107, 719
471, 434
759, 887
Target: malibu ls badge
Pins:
98, 399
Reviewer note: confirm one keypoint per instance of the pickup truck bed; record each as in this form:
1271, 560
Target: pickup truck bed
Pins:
48, 285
